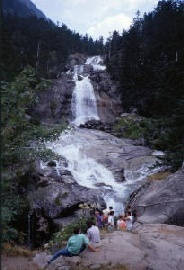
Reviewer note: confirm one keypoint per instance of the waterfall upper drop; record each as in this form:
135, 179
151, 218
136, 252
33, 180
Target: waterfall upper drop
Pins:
83, 103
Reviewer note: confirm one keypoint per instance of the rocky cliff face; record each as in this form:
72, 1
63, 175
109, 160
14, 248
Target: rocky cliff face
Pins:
108, 99
55, 103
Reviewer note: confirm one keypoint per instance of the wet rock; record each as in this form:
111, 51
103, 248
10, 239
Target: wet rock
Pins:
80, 78
59, 199
103, 185
51, 163
59, 196
161, 201
120, 156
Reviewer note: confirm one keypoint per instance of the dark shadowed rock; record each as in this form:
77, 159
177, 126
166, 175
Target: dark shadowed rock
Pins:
51, 163
57, 195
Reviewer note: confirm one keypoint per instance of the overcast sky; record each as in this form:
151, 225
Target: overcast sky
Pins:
95, 17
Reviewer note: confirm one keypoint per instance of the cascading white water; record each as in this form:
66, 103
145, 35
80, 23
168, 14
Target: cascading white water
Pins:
84, 107
86, 170
75, 145
96, 62
83, 104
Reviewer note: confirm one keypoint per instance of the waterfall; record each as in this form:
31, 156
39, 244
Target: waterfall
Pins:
83, 103
73, 145
96, 62
77, 146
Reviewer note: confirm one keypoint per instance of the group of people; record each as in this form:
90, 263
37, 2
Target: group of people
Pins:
105, 219
78, 242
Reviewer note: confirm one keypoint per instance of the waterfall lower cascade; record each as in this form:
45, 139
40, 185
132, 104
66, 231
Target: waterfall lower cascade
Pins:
83, 104
82, 147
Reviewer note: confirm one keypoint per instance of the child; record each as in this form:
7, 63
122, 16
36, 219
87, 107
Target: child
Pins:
121, 225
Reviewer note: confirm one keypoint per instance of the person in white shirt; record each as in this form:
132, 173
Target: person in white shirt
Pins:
129, 220
111, 221
93, 234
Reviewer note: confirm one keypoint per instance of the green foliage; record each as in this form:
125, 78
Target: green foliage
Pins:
13, 207
129, 128
62, 236
148, 61
161, 134
18, 132
22, 143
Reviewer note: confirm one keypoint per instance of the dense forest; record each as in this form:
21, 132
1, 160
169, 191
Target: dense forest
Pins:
148, 60
40, 44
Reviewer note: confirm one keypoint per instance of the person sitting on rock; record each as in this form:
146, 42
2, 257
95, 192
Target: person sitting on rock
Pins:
76, 244
93, 233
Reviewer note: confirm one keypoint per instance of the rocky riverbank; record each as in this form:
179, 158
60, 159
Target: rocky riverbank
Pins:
153, 247
149, 246
95, 168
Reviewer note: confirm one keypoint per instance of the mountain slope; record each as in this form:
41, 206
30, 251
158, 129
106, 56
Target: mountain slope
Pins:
21, 8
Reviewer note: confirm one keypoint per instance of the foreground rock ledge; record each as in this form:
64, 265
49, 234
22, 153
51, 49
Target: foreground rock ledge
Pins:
149, 247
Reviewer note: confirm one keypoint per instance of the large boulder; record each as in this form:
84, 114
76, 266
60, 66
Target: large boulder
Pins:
56, 200
57, 194
161, 201
149, 247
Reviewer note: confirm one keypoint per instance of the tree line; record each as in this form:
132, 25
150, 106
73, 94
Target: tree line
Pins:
148, 61
41, 44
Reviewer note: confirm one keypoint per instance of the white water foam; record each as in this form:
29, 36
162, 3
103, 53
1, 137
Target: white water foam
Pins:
84, 107
83, 103
96, 62
88, 172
